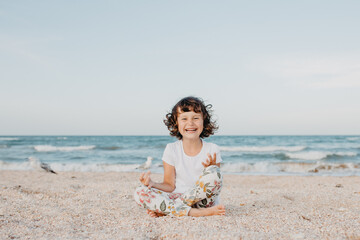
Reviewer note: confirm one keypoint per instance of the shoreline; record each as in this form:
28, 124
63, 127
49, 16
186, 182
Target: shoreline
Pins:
244, 174
40, 205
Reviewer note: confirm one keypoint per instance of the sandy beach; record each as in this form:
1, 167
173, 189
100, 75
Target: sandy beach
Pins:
83, 205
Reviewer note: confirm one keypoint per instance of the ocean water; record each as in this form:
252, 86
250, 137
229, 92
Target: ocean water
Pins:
255, 155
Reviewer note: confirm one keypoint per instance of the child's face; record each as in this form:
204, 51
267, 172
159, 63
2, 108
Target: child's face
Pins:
190, 124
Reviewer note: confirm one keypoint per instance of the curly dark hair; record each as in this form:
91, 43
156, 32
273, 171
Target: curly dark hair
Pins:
189, 104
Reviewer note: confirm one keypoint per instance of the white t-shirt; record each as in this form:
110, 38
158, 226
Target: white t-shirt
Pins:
188, 169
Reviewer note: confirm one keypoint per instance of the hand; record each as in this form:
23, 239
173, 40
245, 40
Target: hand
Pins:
210, 161
146, 180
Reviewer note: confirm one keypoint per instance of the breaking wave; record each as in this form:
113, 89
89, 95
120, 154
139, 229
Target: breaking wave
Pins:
319, 155
263, 168
291, 168
8, 139
263, 149
49, 148
77, 167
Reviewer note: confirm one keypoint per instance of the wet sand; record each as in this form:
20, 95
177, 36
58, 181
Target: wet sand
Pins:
74, 205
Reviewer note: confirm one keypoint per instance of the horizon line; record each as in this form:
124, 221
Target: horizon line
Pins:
158, 135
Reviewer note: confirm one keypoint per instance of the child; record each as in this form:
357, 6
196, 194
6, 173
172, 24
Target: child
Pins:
192, 179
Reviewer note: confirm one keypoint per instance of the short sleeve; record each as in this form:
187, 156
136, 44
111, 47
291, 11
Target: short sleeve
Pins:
218, 154
169, 155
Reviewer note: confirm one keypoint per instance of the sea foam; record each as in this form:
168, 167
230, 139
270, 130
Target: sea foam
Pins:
262, 149
317, 155
8, 139
278, 168
263, 168
49, 148
15, 166
75, 167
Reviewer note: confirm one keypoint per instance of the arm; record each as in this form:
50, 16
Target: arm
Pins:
168, 184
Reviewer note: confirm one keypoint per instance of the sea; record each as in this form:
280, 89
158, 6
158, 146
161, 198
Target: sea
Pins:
244, 155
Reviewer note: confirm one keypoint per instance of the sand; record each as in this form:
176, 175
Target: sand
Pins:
74, 205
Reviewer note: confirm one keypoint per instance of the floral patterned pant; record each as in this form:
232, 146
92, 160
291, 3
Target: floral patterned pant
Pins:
202, 195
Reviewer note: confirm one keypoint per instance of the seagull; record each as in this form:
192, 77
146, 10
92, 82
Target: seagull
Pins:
36, 164
146, 164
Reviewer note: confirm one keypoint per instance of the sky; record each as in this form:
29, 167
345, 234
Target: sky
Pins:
117, 67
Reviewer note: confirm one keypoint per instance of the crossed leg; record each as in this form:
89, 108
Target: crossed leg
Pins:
197, 201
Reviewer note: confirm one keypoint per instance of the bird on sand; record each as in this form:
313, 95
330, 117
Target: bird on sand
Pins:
36, 164
147, 164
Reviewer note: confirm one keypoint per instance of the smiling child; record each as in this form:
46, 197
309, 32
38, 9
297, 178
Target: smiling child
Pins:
192, 178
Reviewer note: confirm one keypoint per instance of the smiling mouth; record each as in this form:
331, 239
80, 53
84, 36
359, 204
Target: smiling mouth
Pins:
191, 130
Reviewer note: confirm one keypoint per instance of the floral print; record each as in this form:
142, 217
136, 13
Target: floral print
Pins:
174, 195
202, 195
145, 196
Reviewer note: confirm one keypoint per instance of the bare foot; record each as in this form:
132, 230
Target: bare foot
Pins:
154, 214
200, 212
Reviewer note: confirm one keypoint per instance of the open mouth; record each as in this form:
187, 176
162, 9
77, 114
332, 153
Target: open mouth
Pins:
191, 130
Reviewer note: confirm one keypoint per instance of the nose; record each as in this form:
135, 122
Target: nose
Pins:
191, 121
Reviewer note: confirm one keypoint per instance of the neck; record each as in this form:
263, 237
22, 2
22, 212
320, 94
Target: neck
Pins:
192, 147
